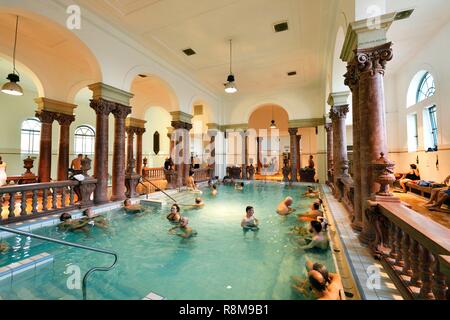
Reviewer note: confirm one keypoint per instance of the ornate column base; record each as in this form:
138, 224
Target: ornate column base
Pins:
131, 181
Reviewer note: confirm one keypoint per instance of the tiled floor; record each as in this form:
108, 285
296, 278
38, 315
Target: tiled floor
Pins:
361, 261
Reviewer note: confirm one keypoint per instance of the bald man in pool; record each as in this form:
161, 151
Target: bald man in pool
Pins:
284, 207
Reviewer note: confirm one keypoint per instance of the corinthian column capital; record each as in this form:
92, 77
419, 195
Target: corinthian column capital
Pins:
102, 106
373, 60
339, 112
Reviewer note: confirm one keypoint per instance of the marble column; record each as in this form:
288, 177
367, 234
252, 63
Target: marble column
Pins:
299, 155
351, 80
139, 133
293, 136
118, 171
64, 121
182, 157
212, 143
102, 109
243, 134
171, 141
186, 152
371, 63
339, 114
258, 154
45, 151
130, 147
329, 129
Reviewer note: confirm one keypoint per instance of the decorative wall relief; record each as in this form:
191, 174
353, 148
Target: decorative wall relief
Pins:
156, 142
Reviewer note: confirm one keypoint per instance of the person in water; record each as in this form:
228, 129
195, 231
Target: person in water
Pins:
68, 224
129, 208
249, 221
284, 207
323, 285
214, 190
174, 215
239, 186
318, 238
198, 203
4, 247
311, 193
312, 214
185, 230
95, 220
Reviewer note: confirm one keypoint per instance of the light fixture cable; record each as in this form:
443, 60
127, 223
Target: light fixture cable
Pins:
15, 45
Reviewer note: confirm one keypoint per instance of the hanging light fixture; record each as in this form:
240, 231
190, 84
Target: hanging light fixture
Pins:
272, 123
230, 86
12, 87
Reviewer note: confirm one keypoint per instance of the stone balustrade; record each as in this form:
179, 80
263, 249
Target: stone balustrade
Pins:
23, 202
203, 174
154, 173
413, 249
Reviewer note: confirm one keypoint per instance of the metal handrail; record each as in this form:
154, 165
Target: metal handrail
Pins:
159, 189
70, 244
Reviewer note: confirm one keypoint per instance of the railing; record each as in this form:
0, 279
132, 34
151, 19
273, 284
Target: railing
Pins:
202, 174
154, 173
70, 244
414, 249
22, 202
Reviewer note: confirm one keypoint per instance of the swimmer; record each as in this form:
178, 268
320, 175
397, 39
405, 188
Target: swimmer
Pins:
129, 208
92, 219
198, 203
68, 224
319, 239
4, 247
174, 215
214, 190
239, 186
186, 231
311, 193
284, 207
312, 214
249, 221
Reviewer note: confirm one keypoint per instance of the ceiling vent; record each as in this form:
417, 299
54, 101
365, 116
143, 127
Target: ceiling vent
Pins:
405, 14
189, 52
292, 73
280, 27
198, 110
142, 75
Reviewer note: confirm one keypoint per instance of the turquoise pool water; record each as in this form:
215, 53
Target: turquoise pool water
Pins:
221, 262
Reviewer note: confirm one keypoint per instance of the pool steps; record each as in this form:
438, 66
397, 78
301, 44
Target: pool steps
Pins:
13, 269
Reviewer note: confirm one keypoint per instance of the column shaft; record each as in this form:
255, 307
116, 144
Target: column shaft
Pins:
102, 108
130, 146
329, 129
45, 151
293, 142
118, 170
139, 133
64, 138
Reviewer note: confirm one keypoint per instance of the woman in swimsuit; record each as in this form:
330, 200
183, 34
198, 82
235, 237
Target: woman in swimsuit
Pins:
174, 215
412, 175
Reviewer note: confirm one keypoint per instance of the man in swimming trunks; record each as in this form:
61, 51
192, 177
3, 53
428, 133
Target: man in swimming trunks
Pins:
284, 207
436, 193
318, 240
190, 183
311, 193
186, 231
249, 221
239, 186
198, 203
312, 214
214, 190
174, 215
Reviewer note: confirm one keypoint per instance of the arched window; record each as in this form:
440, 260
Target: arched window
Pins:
426, 87
30, 136
84, 140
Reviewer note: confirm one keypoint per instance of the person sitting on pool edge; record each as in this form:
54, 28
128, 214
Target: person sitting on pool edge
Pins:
239, 186
129, 208
284, 207
318, 240
214, 190
174, 215
186, 231
190, 183
311, 193
324, 285
249, 221
312, 214
68, 224
95, 220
